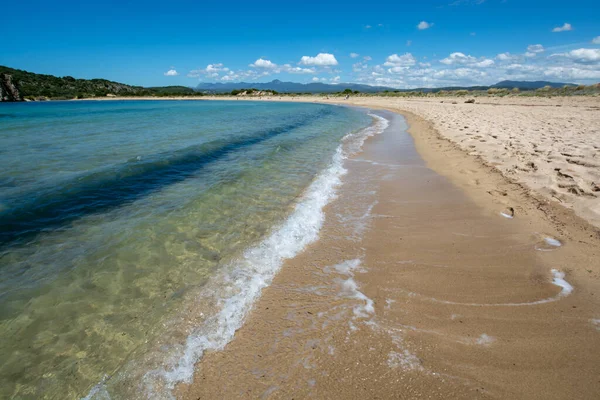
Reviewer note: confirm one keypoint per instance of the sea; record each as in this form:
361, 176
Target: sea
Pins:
136, 235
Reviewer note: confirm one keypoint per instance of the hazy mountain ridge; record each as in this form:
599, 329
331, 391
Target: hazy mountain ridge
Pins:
318, 87
18, 85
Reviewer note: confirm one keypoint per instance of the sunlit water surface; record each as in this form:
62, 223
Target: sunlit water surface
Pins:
115, 215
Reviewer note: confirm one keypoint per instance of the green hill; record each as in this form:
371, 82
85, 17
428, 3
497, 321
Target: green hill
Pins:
29, 85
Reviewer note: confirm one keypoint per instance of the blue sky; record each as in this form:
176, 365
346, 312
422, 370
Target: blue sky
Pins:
423, 43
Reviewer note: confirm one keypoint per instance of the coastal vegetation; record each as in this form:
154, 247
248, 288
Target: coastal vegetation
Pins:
31, 86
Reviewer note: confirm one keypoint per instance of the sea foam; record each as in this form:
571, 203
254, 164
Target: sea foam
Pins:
256, 269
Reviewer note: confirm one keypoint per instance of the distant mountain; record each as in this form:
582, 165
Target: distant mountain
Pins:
290, 87
16, 85
317, 87
524, 85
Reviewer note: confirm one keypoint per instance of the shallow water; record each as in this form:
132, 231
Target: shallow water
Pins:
119, 219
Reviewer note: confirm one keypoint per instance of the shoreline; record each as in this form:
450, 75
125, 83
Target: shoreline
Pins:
533, 215
571, 180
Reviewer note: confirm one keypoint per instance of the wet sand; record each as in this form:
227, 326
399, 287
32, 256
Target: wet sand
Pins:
420, 288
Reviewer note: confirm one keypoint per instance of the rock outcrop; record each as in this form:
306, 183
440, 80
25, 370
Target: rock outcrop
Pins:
8, 90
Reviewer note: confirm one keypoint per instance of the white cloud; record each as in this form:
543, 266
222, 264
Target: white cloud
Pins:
564, 28
171, 72
463, 59
317, 79
460, 69
354, 55
322, 59
535, 48
506, 57
462, 74
211, 68
408, 42
359, 66
424, 25
296, 70
405, 60
458, 58
367, 58
582, 56
484, 63
336, 79
596, 40
368, 26
572, 74
261, 63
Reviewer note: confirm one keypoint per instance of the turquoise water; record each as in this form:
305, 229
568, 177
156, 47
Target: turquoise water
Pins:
134, 235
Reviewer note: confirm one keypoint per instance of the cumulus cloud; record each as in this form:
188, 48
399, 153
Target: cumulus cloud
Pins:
596, 40
572, 74
458, 58
354, 55
459, 69
424, 25
405, 60
171, 72
211, 71
582, 56
211, 68
336, 79
566, 27
367, 58
463, 59
506, 57
359, 66
297, 70
261, 63
535, 48
322, 60
484, 63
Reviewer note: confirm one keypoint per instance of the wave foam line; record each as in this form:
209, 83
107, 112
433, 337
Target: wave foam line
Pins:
558, 279
257, 268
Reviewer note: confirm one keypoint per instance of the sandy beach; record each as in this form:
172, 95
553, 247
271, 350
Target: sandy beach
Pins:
420, 286
459, 260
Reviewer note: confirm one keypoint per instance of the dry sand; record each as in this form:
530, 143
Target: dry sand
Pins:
419, 288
